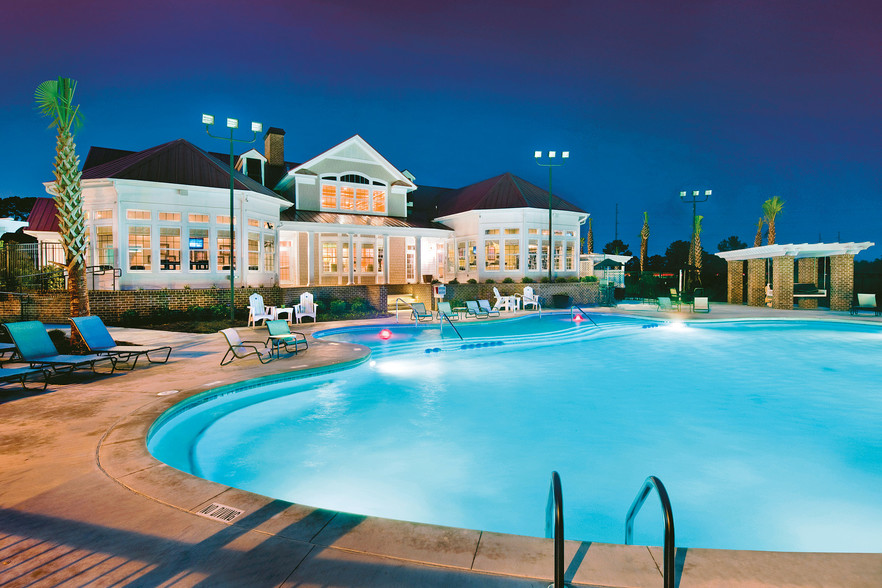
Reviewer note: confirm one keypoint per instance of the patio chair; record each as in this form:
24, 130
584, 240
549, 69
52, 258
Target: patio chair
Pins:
419, 313
444, 309
675, 296
239, 349
665, 303
37, 349
7, 348
305, 308
530, 299
700, 304
472, 309
21, 374
280, 334
257, 311
865, 302
504, 302
485, 305
98, 340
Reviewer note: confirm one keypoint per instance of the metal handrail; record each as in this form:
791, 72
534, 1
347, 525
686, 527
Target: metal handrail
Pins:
441, 323
554, 526
572, 314
405, 303
670, 548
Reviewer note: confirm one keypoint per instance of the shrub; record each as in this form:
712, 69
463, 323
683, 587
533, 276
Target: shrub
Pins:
508, 281
490, 281
590, 279
544, 280
527, 280
560, 280
473, 281
360, 305
453, 281
572, 279
338, 306
129, 317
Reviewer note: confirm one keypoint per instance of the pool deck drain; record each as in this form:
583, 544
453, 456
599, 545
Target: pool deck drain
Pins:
83, 503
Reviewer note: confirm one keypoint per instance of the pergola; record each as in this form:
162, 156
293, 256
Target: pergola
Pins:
784, 266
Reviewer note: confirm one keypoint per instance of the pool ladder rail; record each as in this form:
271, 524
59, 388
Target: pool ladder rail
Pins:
554, 527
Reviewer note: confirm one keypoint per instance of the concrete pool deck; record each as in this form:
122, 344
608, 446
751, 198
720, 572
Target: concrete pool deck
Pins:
82, 502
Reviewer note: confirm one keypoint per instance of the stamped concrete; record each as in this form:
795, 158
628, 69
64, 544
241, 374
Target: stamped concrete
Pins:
82, 502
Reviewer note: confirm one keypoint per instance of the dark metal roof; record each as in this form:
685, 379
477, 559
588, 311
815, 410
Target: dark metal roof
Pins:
504, 191
42, 217
331, 218
101, 155
176, 162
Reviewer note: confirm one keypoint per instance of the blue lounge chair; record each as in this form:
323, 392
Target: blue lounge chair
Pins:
666, 303
280, 334
98, 340
419, 312
36, 348
472, 309
21, 374
485, 305
239, 349
444, 309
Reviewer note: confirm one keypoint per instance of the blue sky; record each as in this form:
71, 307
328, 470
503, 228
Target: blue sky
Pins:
750, 99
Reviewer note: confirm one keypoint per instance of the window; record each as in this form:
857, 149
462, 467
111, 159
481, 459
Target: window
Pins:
253, 222
347, 197
461, 256
224, 220
354, 179
380, 257
138, 214
253, 251
491, 255
451, 256
344, 257
410, 262
558, 255
170, 216
473, 255
533, 231
269, 253
329, 196
198, 245
169, 248
512, 255
367, 258
491, 231
224, 256
139, 248
104, 243
285, 260
512, 231
379, 200
362, 200
99, 214
198, 218
329, 258
544, 255
533, 255
571, 250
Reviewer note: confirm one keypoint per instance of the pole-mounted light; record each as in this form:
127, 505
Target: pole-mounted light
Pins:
551, 156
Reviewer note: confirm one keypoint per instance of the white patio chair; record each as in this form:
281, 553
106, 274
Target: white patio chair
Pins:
528, 298
305, 308
257, 311
504, 302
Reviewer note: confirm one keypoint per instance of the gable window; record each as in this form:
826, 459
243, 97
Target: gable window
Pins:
347, 197
353, 192
362, 203
379, 200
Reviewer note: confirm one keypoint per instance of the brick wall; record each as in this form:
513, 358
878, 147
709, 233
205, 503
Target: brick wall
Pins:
396, 259
736, 282
756, 282
807, 273
782, 282
841, 281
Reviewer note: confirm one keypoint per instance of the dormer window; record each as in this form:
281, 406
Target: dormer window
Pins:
353, 193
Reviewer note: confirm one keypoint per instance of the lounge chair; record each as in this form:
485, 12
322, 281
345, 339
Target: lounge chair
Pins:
7, 348
444, 309
305, 308
485, 304
675, 296
504, 302
280, 334
700, 304
865, 302
37, 349
98, 340
419, 313
665, 303
530, 299
257, 311
21, 374
239, 349
472, 309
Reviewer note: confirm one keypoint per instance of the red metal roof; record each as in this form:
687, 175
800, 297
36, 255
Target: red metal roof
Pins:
42, 217
503, 191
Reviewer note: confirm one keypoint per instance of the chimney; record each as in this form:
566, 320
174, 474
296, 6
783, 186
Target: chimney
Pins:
274, 146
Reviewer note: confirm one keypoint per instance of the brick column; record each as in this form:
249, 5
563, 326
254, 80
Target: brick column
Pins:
841, 281
807, 269
736, 282
782, 282
756, 282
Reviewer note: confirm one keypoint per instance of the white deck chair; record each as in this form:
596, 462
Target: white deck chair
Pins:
305, 308
257, 311
700, 304
504, 302
528, 298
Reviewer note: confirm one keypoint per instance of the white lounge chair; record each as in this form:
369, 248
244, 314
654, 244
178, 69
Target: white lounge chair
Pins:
528, 298
700, 304
504, 302
239, 349
865, 302
257, 311
305, 308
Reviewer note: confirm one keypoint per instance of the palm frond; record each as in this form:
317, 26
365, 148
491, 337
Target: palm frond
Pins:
54, 98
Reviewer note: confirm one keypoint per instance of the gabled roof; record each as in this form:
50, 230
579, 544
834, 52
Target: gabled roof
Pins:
176, 162
504, 191
42, 217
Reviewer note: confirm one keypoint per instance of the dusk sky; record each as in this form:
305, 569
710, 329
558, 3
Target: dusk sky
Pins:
750, 98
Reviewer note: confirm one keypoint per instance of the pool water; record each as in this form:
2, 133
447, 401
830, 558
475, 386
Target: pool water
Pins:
767, 435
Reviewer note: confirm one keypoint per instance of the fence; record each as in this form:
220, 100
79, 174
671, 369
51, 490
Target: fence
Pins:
31, 266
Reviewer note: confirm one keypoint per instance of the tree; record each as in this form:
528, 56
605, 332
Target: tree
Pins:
677, 255
758, 239
644, 240
16, 207
771, 208
590, 237
54, 99
617, 247
696, 248
732, 243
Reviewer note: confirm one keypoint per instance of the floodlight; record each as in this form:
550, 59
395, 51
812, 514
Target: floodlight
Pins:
695, 192
232, 123
552, 154
256, 127
682, 193
207, 119
707, 192
537, 154
565, 154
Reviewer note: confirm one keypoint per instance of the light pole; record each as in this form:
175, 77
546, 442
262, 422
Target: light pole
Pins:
694, 199
552, 155
232, 124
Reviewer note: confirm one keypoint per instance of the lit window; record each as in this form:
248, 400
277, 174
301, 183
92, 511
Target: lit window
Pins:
347, 197
461, 256
571, 254
170, 216
532, 256
104, 243
329, 258
138, 214
253, 222
224, 219
139, 248
223, 251
379, 200
512, 231
253, 251
512, 255
362, 202
269, 253
198, 246
99, 214
533, 231
491, 255
367, 258
329, 196
169, 248
198, 218
473, 255
491, 231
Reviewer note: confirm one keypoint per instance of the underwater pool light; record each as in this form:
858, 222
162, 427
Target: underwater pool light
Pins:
385, 334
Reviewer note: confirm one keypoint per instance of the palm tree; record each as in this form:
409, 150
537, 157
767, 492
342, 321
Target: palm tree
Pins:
644, 240
758, 240
771, 208
589, 238
696, 249
55, 99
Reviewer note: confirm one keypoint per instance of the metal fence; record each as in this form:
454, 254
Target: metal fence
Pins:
31, 266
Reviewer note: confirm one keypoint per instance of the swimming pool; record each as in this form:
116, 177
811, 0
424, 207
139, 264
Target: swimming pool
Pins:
767, 435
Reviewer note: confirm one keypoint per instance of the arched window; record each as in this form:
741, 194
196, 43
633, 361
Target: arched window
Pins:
353, 193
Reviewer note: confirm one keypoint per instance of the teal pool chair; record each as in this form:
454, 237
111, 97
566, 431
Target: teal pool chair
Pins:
21, 374
280, 334
419, 312
445, 310
485, 305
36, 348
472, 309
98, 340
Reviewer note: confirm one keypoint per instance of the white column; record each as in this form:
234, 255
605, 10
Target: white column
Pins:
351, 261
418, 262
310, 258
385, 259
